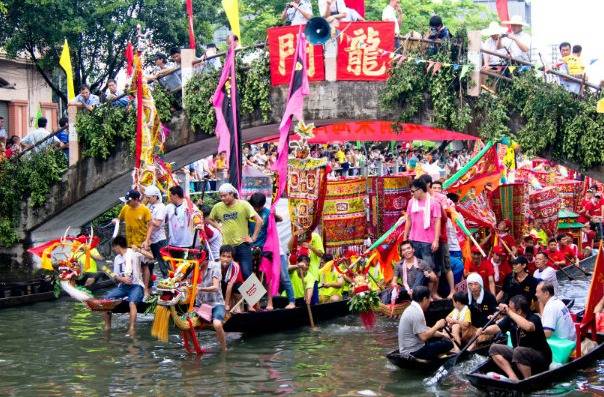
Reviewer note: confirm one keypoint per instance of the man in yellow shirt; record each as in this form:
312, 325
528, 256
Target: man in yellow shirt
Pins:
136, 216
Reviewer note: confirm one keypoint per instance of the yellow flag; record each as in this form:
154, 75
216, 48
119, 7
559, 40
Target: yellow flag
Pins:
65, 62
600, 107
231, 9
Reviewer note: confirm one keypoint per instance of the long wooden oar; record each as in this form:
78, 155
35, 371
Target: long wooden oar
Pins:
443, 371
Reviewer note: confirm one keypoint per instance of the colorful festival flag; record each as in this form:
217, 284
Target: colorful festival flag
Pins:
65, 62
502, 10
228, 128
298, 89
129, 55
231, 9
486, 171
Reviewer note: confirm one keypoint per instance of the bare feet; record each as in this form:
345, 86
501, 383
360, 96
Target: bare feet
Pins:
269, 308
131, 332
435, 297
292, 305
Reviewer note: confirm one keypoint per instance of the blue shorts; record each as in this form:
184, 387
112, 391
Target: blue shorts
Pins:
134, 293
218, 312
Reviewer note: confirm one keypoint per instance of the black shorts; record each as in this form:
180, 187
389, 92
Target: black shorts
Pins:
522, 355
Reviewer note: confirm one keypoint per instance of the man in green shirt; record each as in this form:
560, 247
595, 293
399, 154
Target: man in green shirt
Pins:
231, 217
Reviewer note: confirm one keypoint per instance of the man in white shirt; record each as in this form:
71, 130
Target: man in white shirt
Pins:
555, 317
128, 275
517, 43
297, 12
156, 231
544, 272
38, 135
180, 219
494, 31
393, 13
333, 10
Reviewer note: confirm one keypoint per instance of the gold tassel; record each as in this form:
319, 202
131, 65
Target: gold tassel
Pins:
161, 323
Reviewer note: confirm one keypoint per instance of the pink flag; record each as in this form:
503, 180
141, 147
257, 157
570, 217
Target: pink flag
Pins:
298, 89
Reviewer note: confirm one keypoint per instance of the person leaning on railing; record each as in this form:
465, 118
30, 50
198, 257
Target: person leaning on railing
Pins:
85, 99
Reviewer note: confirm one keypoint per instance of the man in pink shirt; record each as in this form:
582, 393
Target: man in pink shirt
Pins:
422, 225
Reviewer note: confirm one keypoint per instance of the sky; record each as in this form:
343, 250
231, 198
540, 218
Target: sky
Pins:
576, 21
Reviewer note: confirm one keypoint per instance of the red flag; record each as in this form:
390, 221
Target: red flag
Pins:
596, 290
190, 17
129, 58
502, 11
358, 5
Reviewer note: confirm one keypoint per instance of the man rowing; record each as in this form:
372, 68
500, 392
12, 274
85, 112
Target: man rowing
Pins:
415, 338
530, 352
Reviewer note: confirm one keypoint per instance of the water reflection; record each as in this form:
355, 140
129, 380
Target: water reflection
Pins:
59, 349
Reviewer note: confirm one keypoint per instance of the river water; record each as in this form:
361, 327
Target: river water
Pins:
59, 349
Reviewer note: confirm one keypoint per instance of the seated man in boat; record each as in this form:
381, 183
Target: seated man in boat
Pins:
530, 352
519, 282
408, 274
210, 293
555, 316
415, 338
482, 305
330, 282
231, 277
460, 317
544, 272
128, 274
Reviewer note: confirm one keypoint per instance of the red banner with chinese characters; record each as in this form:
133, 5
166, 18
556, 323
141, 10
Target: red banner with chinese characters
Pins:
282, 47
364, 50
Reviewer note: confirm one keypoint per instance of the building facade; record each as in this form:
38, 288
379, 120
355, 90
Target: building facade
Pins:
23, 92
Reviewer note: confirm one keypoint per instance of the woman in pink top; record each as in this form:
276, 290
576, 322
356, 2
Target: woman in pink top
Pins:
422, 224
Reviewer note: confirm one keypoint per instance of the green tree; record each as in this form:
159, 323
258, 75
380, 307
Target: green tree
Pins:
97, 32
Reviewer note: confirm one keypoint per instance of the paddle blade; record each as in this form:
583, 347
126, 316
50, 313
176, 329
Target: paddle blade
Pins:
440, 374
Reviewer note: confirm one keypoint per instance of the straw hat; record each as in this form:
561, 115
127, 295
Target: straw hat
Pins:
493, 29
515, 20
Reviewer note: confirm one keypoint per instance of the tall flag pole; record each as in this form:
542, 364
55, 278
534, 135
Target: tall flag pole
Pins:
298, 89
228, 128
190, 18
231, 9
65, 63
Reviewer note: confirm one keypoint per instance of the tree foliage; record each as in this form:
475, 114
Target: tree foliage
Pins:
97, 32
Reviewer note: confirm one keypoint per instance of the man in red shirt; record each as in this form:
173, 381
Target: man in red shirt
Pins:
484, 268
595, 214
556, 258
586, 206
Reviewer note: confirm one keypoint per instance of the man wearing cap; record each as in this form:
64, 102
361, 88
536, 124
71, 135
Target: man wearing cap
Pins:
517, 43
231, 217
156, 231
519, 282
136, 216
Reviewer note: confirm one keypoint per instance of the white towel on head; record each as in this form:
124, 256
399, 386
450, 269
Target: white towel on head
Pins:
475, 278
415, 208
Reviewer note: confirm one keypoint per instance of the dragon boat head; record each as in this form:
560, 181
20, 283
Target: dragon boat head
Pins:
171, 292
69, 269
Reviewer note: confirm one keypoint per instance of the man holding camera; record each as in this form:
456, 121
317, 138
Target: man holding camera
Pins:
518, 42
297, 12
